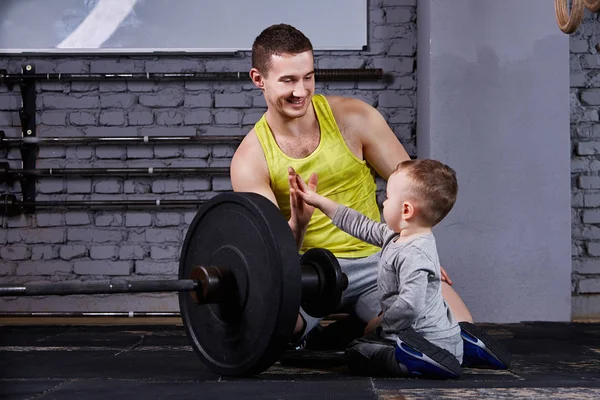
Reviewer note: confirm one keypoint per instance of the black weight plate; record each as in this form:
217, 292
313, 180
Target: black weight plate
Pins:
331, 294
246, 333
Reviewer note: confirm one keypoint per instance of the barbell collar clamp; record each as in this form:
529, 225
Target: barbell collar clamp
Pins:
212, 282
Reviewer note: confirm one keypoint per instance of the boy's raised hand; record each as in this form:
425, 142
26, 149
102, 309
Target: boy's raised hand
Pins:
311, 197
307, 192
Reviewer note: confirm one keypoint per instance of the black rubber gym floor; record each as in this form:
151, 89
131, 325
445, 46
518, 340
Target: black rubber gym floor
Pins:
550, 360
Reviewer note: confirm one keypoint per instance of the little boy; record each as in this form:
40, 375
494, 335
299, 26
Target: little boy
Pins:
415, 333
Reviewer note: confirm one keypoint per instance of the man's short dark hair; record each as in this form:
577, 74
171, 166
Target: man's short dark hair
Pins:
276, 40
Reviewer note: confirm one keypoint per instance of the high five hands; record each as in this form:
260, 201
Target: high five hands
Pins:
301, 212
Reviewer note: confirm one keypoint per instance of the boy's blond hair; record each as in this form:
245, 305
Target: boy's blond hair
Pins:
434, 188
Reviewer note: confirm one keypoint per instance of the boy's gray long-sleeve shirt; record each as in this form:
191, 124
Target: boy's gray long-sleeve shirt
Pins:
409, 278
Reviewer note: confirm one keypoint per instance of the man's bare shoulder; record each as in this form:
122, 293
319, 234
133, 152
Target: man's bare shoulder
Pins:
249, 170
349, 104
249, 152
348, 107
350, 112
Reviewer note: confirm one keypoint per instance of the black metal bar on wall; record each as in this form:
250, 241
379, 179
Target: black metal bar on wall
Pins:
333, 74
9, 205
7, 174
6, 142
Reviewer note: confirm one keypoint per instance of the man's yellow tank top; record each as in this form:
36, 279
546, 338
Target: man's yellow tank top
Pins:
343, 178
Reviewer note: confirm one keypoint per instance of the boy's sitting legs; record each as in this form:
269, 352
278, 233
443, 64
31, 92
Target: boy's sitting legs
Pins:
480, 349
410, 355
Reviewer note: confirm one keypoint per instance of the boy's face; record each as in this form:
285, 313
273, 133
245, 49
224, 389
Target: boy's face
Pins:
396, 202
289, 84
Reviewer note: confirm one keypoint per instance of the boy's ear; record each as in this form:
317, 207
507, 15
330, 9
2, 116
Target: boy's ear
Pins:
257, 78
408, 210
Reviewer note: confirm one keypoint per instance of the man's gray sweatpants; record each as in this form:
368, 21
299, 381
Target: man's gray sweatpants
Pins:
361, 296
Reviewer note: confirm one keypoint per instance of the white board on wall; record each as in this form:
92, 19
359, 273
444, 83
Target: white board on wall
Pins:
173, 26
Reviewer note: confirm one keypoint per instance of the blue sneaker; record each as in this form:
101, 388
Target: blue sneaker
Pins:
481, 350
424, 359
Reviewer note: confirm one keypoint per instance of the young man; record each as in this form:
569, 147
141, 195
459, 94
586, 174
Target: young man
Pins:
342, 139
414, 317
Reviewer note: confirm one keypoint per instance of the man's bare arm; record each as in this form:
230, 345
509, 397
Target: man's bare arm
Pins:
381, 148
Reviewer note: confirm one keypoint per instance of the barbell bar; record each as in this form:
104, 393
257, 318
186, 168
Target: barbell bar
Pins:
207, 284
115, 286
241, 284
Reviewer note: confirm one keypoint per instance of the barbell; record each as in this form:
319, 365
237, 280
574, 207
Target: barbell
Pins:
241, 284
